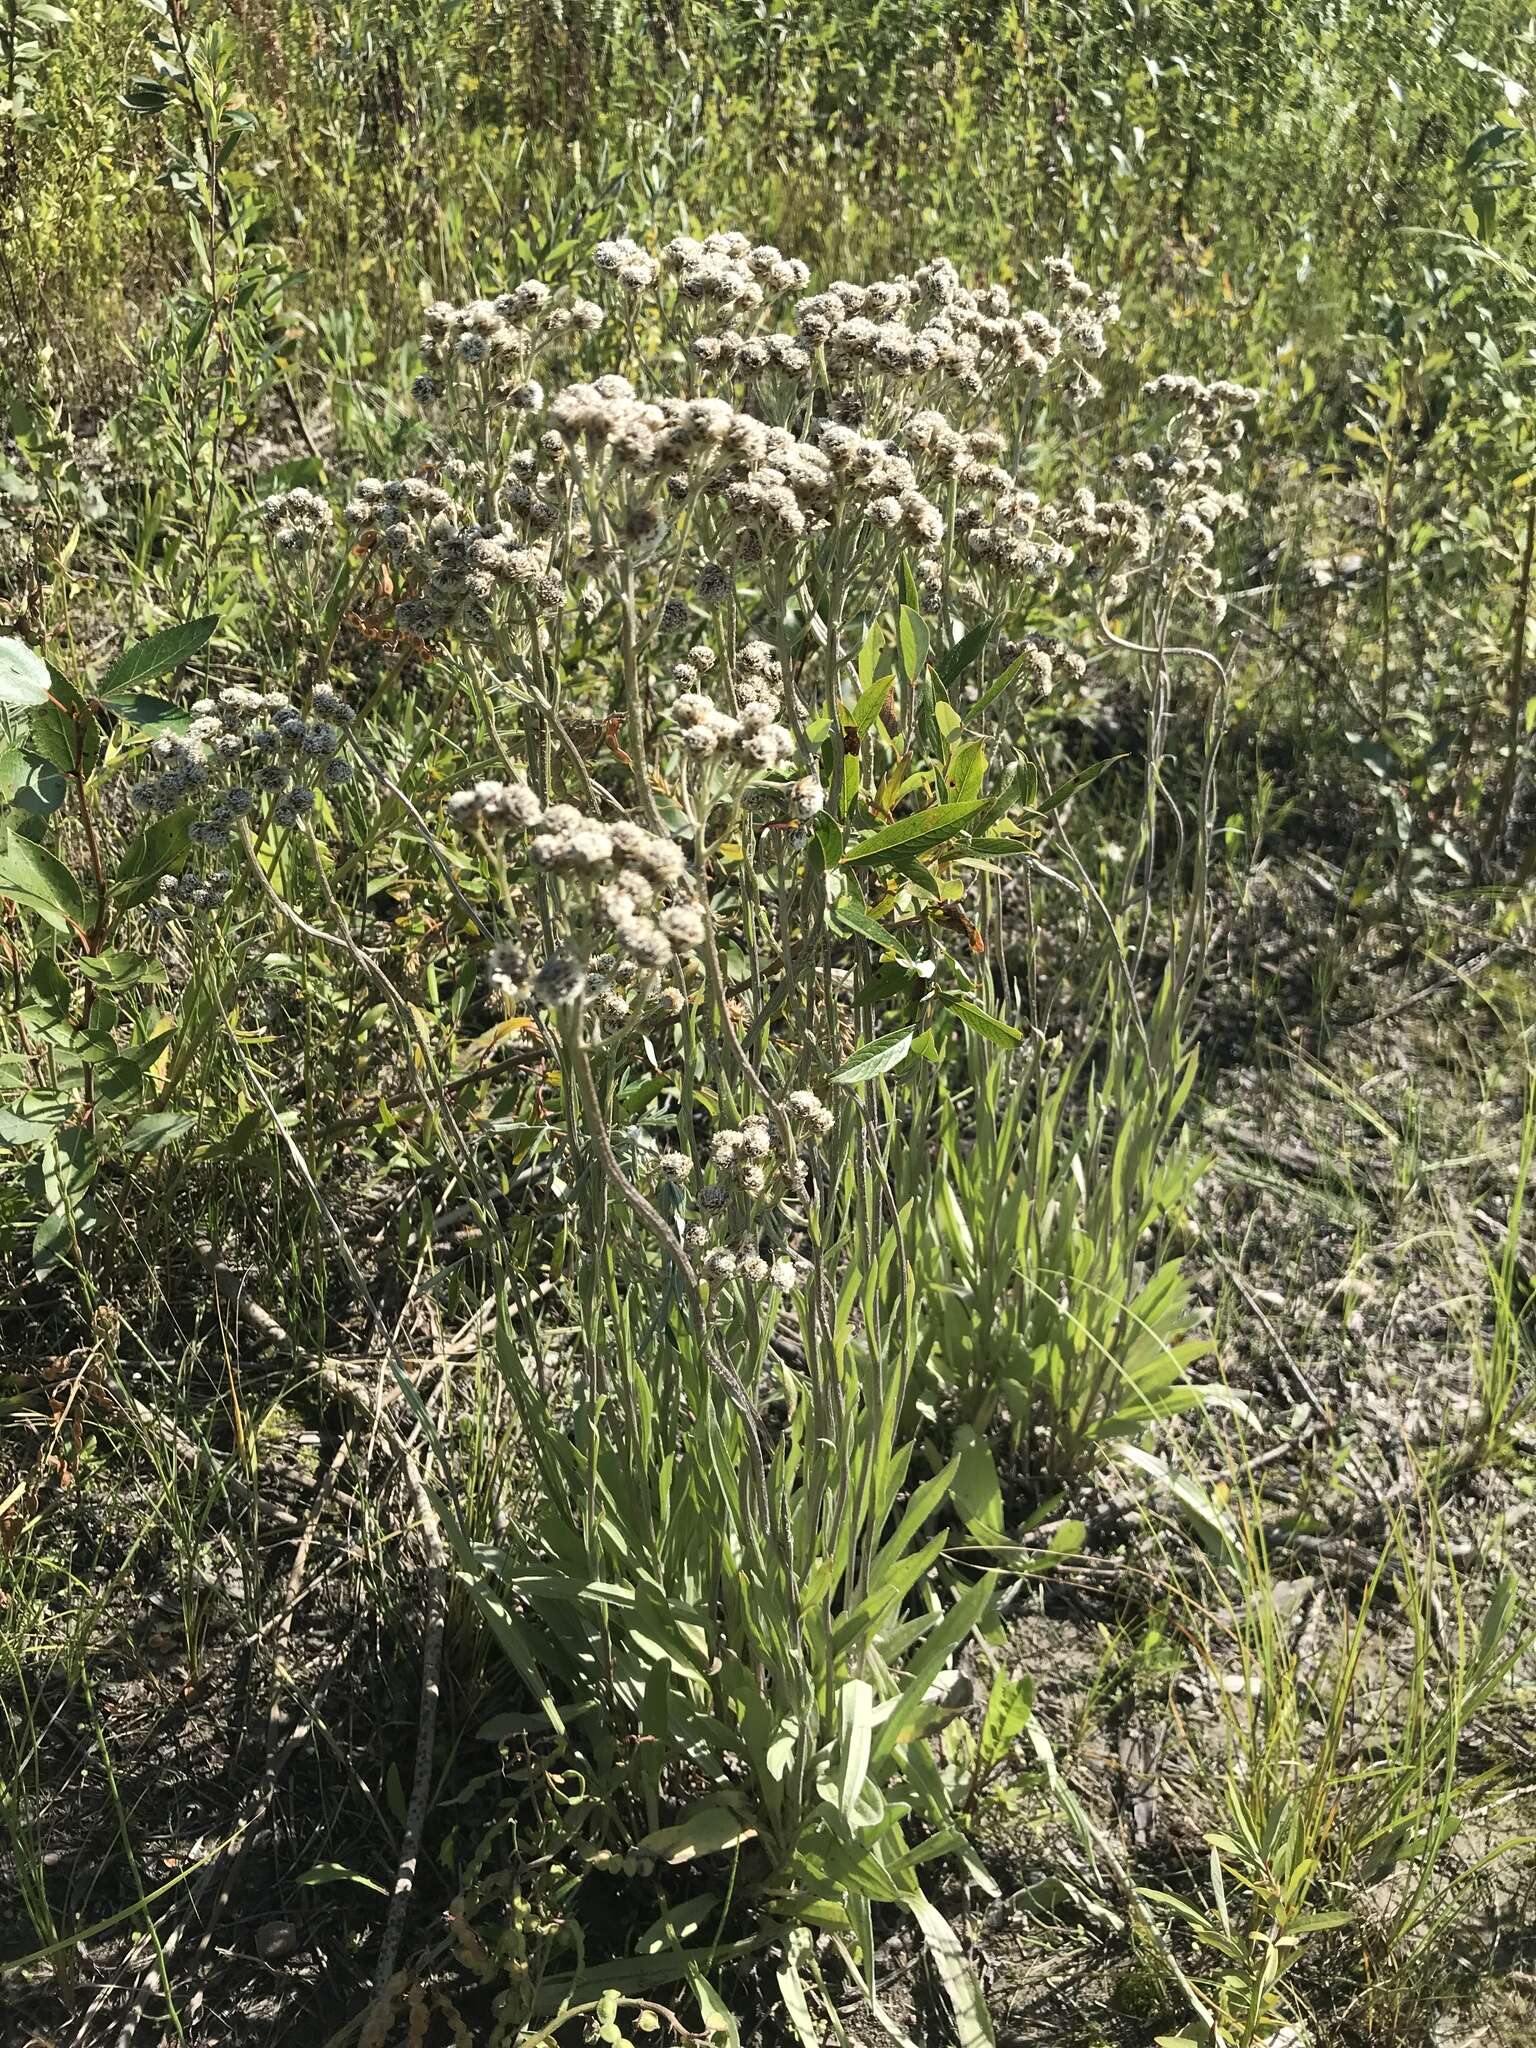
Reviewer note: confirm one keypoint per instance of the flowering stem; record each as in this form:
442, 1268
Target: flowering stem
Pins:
654, 1222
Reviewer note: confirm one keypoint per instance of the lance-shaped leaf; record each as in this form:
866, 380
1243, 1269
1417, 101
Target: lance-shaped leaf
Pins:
157, 655
918, 833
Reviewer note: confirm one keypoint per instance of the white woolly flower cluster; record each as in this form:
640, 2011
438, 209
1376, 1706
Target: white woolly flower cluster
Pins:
751, 737
757, 672
862, 338
624, 259
606, 472
907, 327
379, 507
240, 746
1085, 312
1179, 479
246, 755
604, 984
879, 478
1214, 404
449, 569
767, 487
690, 669
185, 896
727, 272
297, 522
1014, 532
723, 278
746, 356
968, 456
746, 1181
614, 878
1113, 530
1037, 656
746, 1264
749, 1161
498, 335
181, 772
763, 476
495, 807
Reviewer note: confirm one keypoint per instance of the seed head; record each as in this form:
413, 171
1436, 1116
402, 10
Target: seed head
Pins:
645, 943
294, 804
806, 1110
559, 982
683, 926
509, 971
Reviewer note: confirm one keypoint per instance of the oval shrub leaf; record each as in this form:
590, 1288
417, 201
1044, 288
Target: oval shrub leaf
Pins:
878, 1057
871, 702
853, 917
32, 877
23, 677
911, 644
160, 1128
53, 738
40, 788
13, 770
29, 1118
954, 661
137, 707
152, 851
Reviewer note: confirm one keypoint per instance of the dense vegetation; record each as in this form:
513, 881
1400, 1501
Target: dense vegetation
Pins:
767, 830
